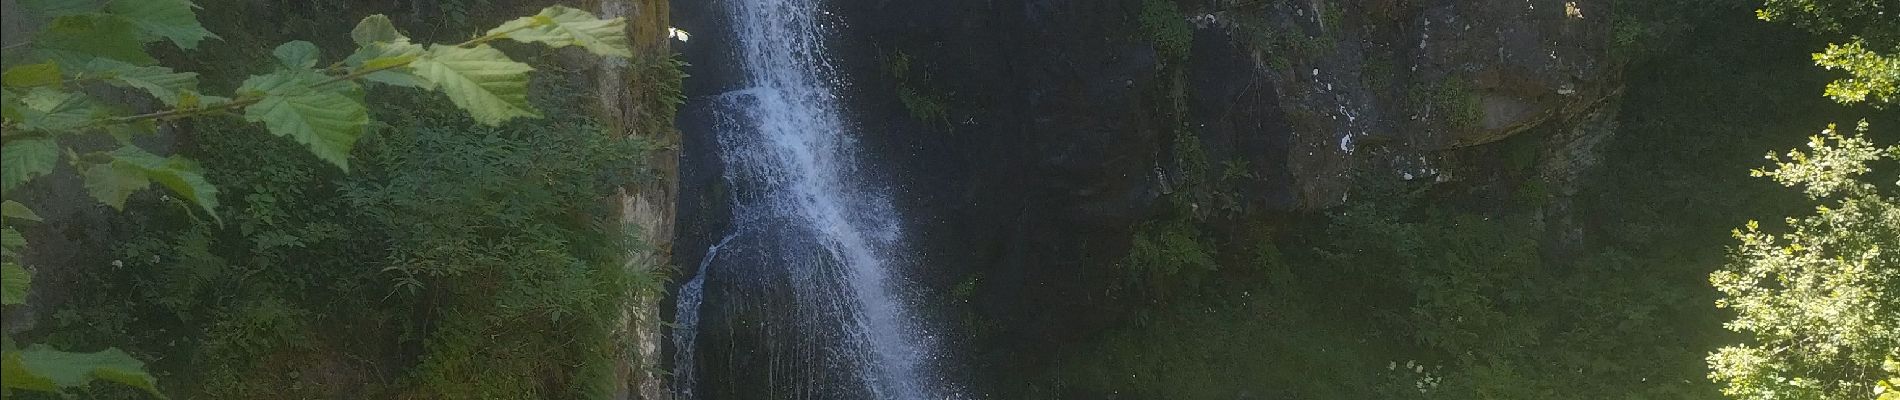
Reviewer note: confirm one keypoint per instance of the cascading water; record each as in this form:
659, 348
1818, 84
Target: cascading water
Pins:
800, 300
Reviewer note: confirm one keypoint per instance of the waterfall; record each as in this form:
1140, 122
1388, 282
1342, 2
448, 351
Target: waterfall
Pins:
812, 223
686, 323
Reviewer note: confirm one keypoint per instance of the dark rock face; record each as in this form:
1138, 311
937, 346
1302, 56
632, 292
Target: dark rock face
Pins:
1047, 158
1058, 124
1529, 62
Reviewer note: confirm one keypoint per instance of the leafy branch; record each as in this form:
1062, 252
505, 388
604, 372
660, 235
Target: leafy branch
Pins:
87, 44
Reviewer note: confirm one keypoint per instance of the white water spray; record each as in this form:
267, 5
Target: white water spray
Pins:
790, 159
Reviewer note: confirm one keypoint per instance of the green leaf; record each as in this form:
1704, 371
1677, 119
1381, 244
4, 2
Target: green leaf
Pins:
45, 369
374, 29
52, 110
15, 210
131, 169
42, 74
390, 55
57, 8
560, 26
482, 80
170, 19
10, 106
112, 182
327, 119
193, 99
14, 375
14, 282
123, 133
11, 240
161, 82
76, 39
296, 54
179, 174
25, 159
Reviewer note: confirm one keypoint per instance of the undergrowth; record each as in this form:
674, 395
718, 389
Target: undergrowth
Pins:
456, 261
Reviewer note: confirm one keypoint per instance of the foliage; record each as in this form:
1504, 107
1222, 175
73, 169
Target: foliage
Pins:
1870, 20
1873, 76
1869, 53
87, 45
663, 79
1169, 253
1164, 25
1287, 41
321, 108
913, 90
1817, 301
458, 260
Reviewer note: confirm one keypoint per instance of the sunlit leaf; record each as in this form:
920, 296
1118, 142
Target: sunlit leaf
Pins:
41, 74
16, 210
481, 80
560, 26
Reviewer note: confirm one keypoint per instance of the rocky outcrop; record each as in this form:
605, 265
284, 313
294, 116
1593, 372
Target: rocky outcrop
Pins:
627, 101
1032, 136
1400, 85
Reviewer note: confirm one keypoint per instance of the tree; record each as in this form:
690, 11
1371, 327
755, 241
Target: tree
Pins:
87, 46
1870, 55
1820, 302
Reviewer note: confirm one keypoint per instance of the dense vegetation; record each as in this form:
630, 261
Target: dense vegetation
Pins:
432, 253
1447, 292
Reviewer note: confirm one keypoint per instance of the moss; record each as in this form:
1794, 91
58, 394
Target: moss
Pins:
1448, 101
912, 90
1166, 27
1378, 71
1332, 16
